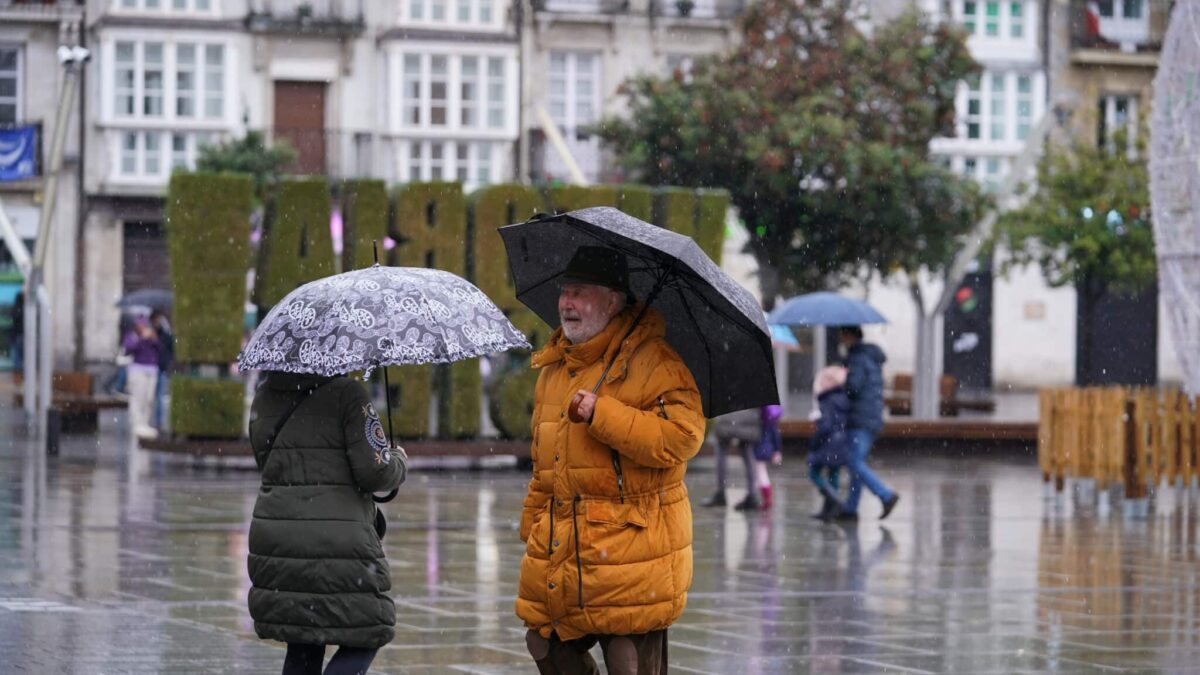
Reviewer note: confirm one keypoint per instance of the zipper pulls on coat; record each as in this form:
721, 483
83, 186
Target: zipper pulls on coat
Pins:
662, 407
616, 460
578, 562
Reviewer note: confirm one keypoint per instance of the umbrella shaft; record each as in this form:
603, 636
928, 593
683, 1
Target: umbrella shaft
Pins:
387, 395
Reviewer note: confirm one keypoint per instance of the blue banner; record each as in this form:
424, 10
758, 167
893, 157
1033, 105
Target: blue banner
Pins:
18, 153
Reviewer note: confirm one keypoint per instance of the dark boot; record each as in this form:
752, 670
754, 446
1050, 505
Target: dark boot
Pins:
832, 509
717, 499
750, 503
889, 504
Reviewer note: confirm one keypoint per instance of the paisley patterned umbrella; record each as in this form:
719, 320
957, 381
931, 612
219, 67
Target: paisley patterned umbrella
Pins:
379, 316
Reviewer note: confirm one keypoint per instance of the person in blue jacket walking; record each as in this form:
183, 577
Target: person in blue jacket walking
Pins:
864, 387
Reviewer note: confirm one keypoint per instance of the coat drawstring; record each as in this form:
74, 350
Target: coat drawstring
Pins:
578, 563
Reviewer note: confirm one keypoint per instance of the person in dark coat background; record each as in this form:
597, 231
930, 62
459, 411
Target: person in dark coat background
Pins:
829, 449
166, 360
319, 573
864, 386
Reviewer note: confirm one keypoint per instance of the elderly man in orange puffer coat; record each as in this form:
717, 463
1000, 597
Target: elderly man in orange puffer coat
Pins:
607, 522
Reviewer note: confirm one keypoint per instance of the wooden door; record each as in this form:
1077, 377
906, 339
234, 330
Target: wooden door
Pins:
300, 118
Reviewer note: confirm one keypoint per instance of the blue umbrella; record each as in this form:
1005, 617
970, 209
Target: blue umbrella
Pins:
825, 309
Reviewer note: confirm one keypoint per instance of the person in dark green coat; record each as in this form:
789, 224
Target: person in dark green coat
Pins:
319, 573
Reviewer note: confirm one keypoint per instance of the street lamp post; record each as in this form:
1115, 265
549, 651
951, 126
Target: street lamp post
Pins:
39, 364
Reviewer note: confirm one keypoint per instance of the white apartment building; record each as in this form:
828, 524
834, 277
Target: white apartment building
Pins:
996, 110
577, 53
30, 83
1103, 79
396, 90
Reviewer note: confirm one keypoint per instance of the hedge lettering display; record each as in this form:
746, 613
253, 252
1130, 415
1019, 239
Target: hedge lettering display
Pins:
432, 225
208, 244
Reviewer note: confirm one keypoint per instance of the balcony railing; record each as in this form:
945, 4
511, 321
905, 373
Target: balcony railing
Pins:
1129, 26
338, 18
39, 9
337, 153
699, 9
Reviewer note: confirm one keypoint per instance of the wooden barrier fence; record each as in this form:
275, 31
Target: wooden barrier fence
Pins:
1136, 437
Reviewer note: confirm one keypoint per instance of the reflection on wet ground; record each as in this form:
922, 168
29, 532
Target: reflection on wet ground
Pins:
116, 565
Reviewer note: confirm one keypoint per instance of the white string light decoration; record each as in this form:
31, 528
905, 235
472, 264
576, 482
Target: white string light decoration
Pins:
1175, 184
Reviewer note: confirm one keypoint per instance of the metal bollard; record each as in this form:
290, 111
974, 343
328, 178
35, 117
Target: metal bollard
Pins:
53, 430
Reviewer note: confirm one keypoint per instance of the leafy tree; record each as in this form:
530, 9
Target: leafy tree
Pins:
1087, 224
821, 134
250, 155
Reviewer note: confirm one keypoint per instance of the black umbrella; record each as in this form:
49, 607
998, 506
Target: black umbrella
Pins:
154, 298
714, 324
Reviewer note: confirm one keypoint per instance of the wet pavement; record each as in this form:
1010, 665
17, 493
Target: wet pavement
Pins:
112, 561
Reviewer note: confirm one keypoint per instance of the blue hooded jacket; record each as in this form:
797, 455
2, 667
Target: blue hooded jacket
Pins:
864, 386
830, 445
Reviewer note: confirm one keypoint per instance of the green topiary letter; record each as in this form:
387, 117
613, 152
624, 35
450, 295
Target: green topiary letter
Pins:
297, 247
208, 243
364, 222
431, 228
512, 390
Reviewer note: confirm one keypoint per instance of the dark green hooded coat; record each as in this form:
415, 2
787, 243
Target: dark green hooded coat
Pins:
317, 566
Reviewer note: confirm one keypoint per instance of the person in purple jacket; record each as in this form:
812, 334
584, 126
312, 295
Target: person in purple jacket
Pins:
141, 344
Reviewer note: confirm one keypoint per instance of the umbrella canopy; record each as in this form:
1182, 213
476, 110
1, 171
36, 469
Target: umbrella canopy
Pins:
716, 325
782, 337
154, 298
825, 309
379, 316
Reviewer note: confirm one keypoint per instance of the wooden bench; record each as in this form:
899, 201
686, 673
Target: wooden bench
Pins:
899, 401
932, 430
72, 396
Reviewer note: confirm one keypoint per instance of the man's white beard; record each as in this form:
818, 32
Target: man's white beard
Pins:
585, 330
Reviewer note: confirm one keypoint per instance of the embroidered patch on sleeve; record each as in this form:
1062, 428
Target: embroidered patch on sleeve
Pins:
375, 435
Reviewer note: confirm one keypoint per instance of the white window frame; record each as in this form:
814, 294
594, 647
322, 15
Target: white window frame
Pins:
1122, 27
979, 167
194, 8
1119, 9
486, 15
1016, 21
1110, 101
1006, 21
417, 161
979, 119
568, 122
485, 104
201, 94
998, 105
18, 98
1023, 123
165, 153
997, 110
999, 21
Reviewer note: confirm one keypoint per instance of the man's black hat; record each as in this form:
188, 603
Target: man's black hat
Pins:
600, 266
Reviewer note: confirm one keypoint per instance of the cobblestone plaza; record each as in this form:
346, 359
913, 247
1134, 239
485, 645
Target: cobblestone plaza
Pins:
113, 561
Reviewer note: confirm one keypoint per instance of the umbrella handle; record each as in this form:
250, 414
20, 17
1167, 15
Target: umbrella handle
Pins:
386, 498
